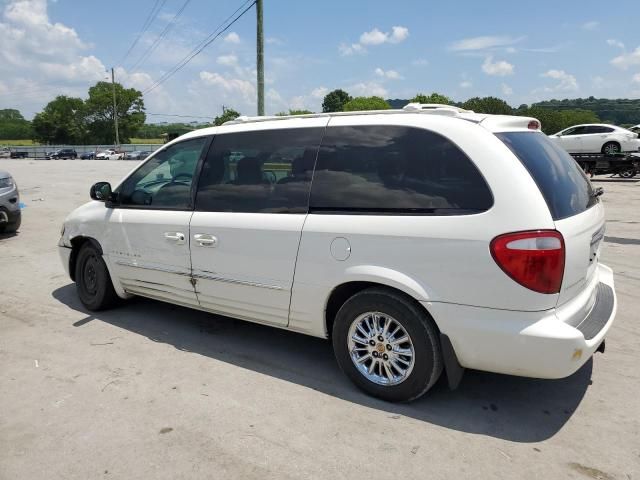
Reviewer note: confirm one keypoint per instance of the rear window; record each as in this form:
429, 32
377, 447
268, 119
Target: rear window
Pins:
562, 182
385, 169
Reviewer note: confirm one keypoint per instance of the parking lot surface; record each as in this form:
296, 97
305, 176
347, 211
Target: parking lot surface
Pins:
150, 390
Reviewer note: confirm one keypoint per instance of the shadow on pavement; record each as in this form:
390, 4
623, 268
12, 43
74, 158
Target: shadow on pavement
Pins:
501, 406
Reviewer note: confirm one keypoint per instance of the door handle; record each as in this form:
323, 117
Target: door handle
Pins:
205, 240
176, 237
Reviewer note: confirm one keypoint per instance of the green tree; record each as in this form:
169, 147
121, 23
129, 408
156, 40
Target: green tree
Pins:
99, 110
555, 120
13, 126
227, 115
334, 101
63, 120
490, 105
433, 98
366, 103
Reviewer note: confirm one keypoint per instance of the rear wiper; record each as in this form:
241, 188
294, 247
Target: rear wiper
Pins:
597, 192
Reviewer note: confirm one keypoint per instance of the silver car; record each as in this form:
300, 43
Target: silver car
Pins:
10, 216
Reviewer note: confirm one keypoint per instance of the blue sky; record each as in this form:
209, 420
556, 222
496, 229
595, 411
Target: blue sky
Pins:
520, 51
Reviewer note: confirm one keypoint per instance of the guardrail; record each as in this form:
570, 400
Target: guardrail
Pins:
41, 151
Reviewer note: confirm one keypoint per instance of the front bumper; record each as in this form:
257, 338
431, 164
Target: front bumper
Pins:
549, 344
65, 257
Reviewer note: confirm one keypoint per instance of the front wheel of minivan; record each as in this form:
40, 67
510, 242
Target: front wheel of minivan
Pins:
93, 281
387, 345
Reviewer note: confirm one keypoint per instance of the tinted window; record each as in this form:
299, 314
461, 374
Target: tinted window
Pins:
575, 131
379, 169
562, 182
597, 129
165, 180
265, 171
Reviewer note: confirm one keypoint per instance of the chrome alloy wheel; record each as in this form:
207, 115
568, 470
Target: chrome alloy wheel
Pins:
380, 348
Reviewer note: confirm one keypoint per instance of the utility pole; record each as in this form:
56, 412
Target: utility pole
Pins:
260, 58
115, 111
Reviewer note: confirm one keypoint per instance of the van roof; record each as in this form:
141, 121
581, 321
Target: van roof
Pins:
493, 123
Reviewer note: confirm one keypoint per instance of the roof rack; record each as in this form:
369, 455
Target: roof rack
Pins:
437, 107
427, 108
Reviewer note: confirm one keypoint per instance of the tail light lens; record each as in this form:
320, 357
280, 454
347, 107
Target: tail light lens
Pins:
534, 259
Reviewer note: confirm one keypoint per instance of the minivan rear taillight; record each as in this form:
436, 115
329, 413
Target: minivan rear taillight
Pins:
534, 259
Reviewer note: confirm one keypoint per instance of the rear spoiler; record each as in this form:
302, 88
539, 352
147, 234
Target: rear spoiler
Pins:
509, 123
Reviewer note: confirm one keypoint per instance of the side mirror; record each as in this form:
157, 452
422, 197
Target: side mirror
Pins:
100, 191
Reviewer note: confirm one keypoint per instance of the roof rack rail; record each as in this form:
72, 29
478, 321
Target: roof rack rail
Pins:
429, 108
438, 107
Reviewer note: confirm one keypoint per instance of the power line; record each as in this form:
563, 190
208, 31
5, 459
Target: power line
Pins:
229, 21
160, 37
147, 23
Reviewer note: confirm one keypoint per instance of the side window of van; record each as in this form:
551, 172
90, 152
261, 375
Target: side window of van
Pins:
395, 169
266, 171
165, 180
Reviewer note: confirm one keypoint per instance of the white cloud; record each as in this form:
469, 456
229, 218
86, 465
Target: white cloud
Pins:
499, 68
636, 78
242, 87
627, 60
367, 89
566, 81
483, 43
506, 89
227, 60
376, 37
466, 84
420, 62
612, 42
319, 92
40, 59
398, 34
347, 50
592, 25
390, 74
232, 37
273, 41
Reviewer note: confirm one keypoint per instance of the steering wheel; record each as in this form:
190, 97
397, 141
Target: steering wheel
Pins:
188, 177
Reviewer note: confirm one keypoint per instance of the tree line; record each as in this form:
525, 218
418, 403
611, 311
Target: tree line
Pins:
72, 120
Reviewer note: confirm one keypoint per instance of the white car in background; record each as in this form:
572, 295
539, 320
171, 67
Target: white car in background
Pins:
109, 155
597, 138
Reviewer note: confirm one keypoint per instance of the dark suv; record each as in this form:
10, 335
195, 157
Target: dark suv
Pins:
64, 153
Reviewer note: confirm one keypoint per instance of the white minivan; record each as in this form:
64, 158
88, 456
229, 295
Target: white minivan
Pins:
419, 240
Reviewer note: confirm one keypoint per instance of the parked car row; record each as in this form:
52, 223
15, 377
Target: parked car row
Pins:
12, 153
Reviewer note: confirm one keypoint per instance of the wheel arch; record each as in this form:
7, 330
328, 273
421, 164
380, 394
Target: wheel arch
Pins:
361, 278
76, 244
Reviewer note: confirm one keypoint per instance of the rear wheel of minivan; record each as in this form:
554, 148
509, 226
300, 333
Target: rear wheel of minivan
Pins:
387, 345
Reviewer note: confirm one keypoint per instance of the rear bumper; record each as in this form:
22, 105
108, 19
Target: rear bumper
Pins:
549, 344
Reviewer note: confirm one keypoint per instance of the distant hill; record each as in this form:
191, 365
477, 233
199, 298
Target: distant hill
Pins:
619, 111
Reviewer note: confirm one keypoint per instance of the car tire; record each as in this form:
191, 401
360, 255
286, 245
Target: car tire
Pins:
611, 148
93, 281
628, 172
390, 369
12, 227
